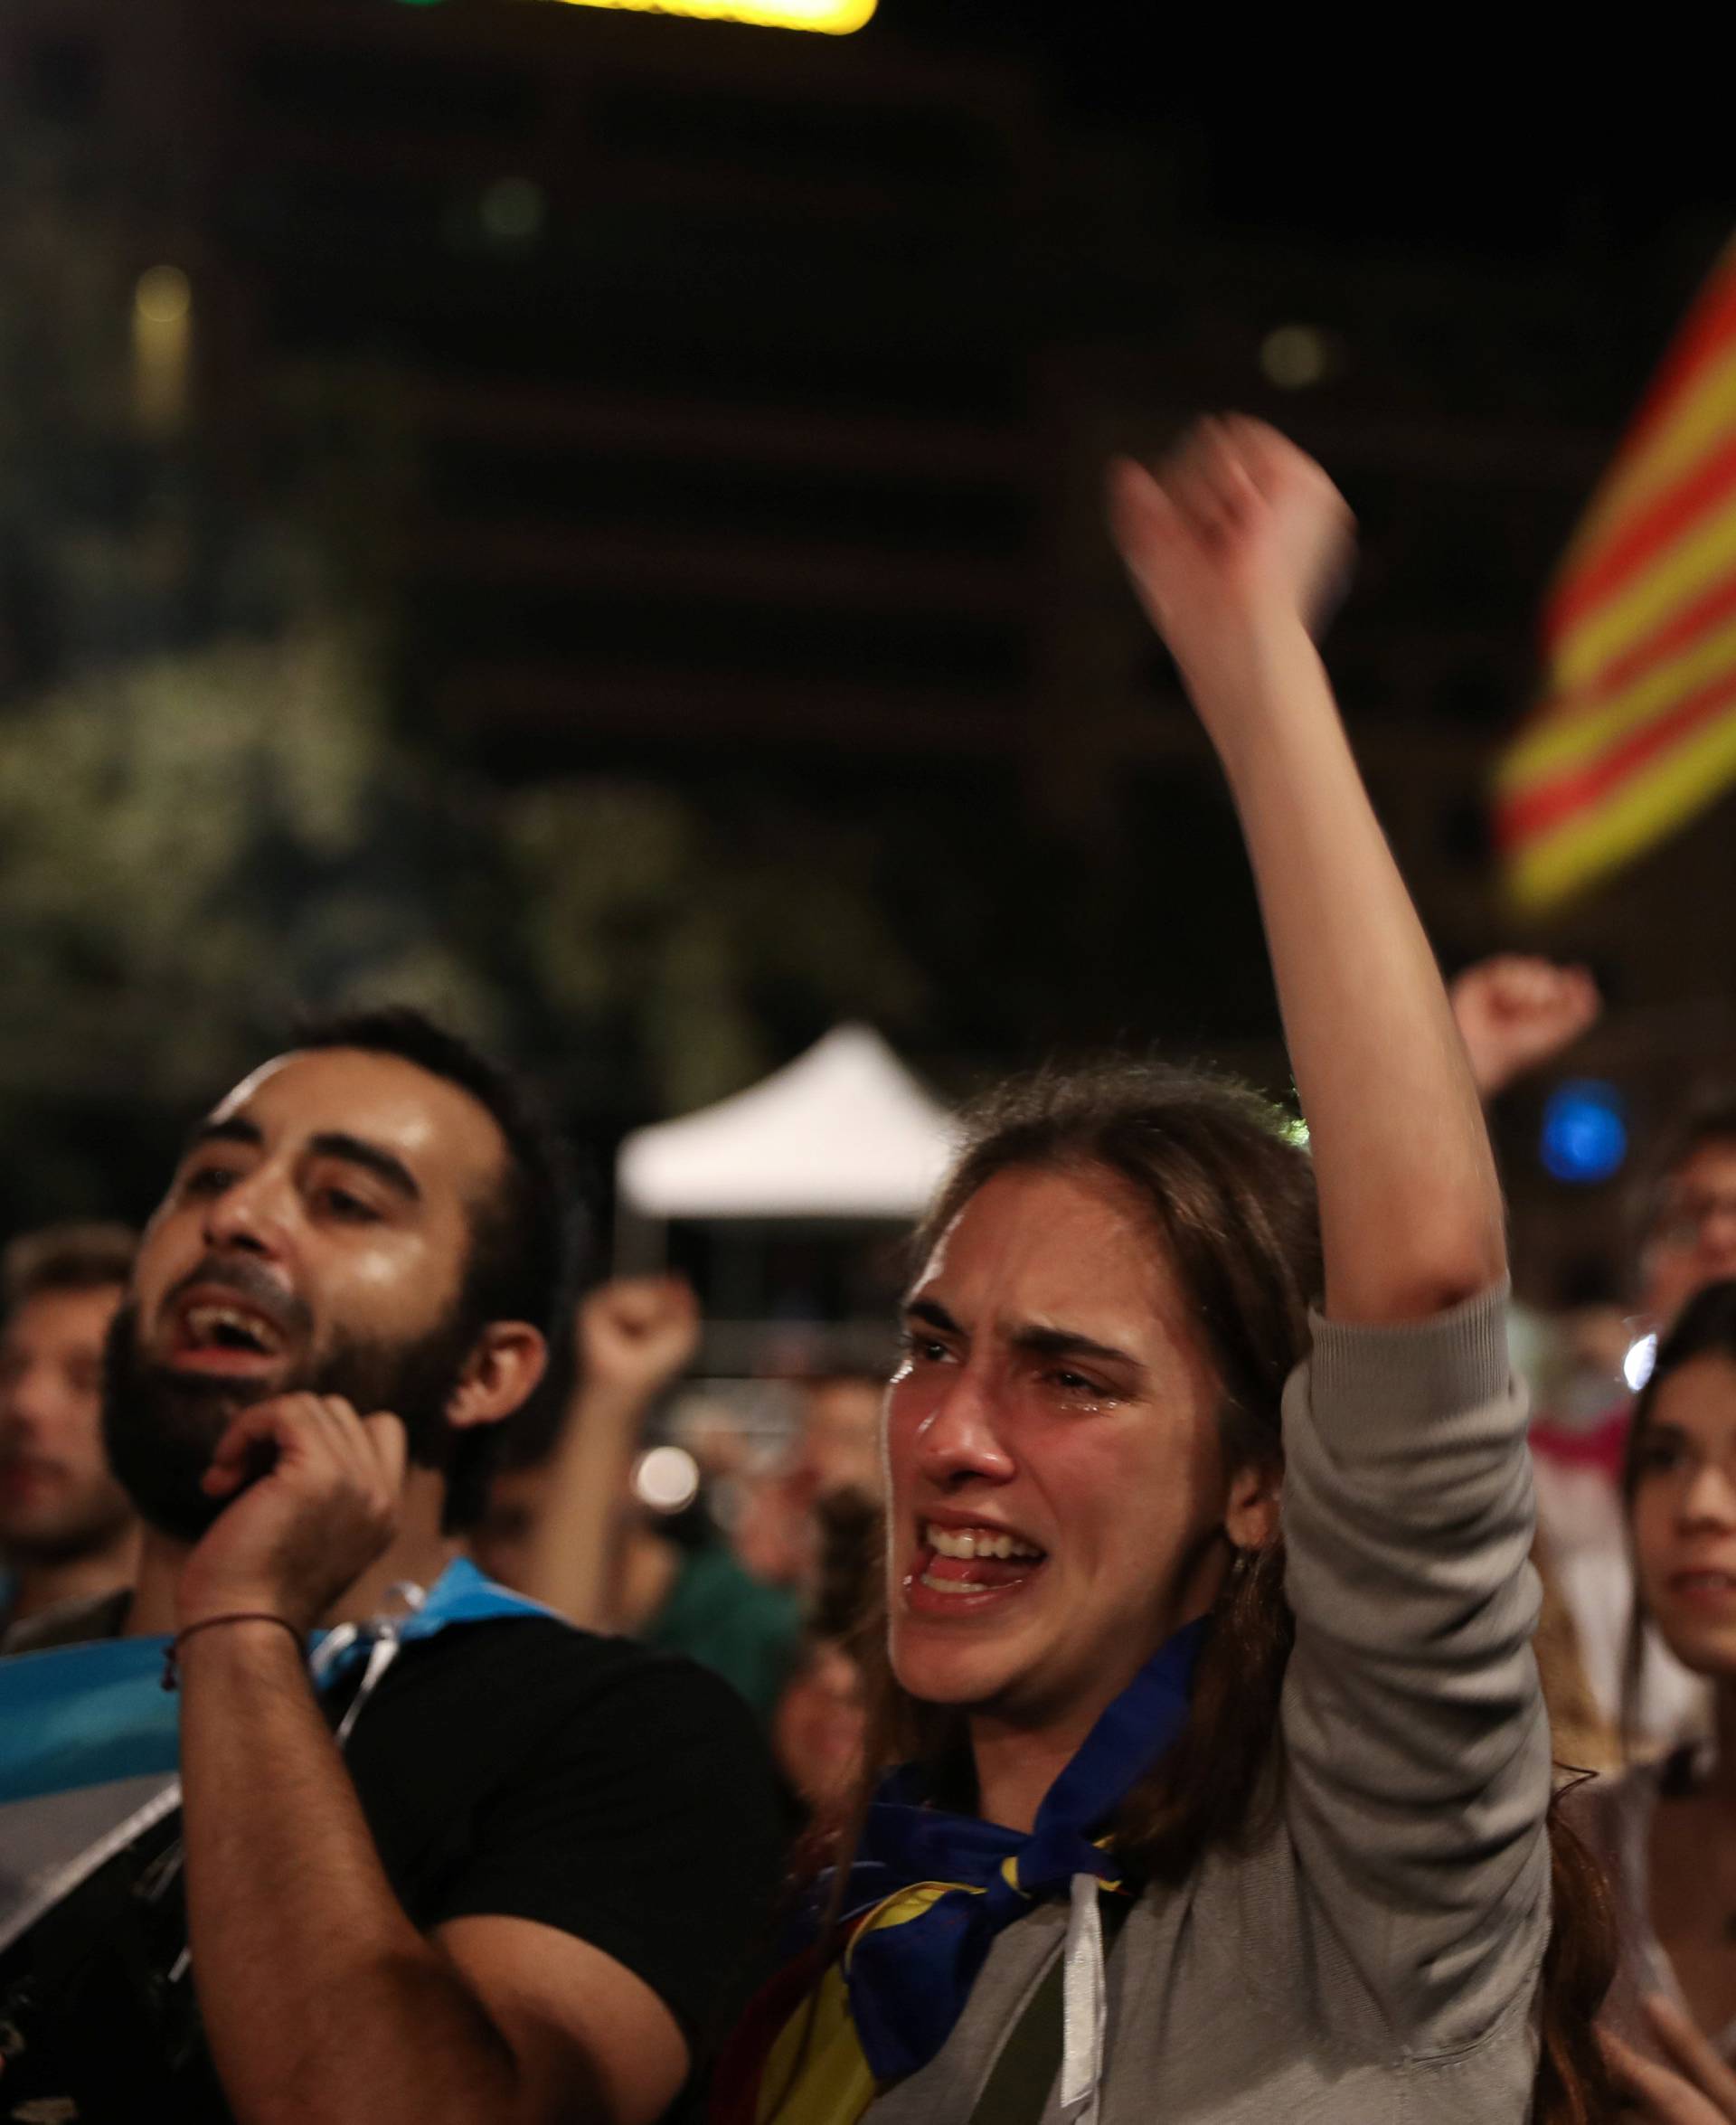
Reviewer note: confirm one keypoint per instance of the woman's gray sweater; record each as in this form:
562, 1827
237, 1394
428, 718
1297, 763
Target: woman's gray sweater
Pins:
1372, 1958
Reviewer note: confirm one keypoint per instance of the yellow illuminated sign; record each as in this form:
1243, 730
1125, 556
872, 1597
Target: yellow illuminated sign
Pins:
836, 18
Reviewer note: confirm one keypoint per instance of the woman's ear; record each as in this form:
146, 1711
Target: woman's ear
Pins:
1251, 1515
500, 1374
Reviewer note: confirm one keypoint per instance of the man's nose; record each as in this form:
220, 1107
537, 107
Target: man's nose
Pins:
959, 1436
250, 1214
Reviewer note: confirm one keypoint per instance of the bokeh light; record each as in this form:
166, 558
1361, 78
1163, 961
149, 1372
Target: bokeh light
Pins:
836, 18
512, 209
1295, 357
666, 1480
1585, 1131
1636, 1365
164, 295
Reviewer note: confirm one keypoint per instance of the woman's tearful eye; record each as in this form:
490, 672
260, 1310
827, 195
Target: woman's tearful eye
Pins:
1081, 1391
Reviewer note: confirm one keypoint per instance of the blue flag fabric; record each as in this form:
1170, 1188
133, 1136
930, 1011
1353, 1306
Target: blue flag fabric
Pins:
81, 1716
90, 1740
909, 1979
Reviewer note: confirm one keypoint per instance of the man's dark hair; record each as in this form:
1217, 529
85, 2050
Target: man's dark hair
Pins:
75, 1256
526, 1238
1710, 1120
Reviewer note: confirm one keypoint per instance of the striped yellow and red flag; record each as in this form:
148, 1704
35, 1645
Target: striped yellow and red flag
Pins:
1637, 729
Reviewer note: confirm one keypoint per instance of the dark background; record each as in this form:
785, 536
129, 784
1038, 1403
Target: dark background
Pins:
621, 558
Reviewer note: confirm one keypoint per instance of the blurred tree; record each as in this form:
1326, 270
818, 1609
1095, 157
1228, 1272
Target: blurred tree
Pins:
704, 942
193, 846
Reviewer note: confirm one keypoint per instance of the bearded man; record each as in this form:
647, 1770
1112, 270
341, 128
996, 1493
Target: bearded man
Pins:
474, 1865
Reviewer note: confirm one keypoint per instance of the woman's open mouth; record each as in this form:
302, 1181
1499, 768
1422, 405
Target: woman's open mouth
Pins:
962, 1569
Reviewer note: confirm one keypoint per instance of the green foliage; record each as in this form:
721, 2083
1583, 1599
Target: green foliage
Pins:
195, 848
701, 939
188, 852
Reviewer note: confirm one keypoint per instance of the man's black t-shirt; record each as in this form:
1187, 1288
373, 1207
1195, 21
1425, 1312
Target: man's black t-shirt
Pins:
518, 1769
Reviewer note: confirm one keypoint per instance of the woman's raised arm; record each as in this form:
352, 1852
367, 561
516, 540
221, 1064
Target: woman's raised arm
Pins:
1235, 547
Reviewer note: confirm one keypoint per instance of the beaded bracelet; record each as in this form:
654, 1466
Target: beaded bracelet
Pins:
172, 1651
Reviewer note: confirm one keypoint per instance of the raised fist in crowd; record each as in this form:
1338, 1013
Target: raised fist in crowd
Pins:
1515, 1012
636, 1334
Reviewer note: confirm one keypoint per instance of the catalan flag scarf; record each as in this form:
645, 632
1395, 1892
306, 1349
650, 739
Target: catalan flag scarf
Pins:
927, 1895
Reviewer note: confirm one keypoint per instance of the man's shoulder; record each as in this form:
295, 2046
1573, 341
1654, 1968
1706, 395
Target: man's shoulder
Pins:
519, 1768
70, 1623
547, 1671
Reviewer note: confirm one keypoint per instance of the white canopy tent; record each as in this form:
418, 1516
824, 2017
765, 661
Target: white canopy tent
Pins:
844, 1131
839, 1144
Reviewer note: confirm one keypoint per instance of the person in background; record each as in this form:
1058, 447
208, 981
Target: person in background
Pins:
568, 1531
1688, 1210
819, 1728
1682, 1238
835, 1453
1666, 1830
1515, 1012
69, 1536
554, 1525
454, 1862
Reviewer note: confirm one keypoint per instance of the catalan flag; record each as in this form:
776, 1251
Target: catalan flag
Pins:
1636, 730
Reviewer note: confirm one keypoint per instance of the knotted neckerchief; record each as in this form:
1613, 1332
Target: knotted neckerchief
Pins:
924, 1902
90, 1741
932, 1889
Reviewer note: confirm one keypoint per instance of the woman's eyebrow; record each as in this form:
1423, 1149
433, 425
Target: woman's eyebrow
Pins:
1071, 1343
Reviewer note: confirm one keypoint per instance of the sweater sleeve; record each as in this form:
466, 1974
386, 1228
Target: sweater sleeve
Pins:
1417, 1748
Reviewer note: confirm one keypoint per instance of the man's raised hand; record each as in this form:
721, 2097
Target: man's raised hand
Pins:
1235, 531
290, 1542
1514, 1013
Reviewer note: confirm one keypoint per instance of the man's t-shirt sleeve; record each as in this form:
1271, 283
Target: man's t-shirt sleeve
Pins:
646, 1824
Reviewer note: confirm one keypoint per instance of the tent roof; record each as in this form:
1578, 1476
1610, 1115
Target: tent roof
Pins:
843, 1131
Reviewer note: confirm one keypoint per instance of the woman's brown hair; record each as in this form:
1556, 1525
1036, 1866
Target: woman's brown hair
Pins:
1228, 1192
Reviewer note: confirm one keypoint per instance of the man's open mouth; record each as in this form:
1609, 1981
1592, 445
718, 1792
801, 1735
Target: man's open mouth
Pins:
963, 1563
220, 1333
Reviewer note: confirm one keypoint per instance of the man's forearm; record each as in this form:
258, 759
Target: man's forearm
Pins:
319, 1997
573, 1565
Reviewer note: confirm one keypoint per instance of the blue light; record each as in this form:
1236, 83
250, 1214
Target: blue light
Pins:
1585, 1131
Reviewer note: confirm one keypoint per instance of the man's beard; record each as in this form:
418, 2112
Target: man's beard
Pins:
160, 1427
